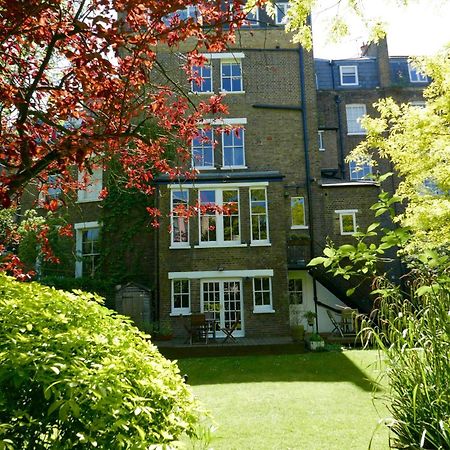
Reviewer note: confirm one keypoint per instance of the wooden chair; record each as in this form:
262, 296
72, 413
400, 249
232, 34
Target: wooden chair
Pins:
337, 328
197, 329
230, 330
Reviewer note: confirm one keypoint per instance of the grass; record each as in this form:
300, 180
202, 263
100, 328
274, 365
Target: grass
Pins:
312, 401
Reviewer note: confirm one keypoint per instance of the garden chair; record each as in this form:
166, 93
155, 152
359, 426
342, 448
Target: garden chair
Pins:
230, 330
196, 328
337, 327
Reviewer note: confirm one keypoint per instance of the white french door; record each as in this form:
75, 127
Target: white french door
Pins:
224, 299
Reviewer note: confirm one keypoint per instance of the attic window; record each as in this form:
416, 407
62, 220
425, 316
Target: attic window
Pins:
349, 75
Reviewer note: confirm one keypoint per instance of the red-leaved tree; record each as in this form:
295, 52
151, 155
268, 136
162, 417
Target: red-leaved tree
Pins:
83, 77
81, 81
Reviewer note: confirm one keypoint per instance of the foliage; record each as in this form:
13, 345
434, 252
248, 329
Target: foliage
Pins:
414, 335
412, 326
417, 141
80, 82
102, 286
121, 254
314, 337
158, 329
310, 316
75, 375
44, 244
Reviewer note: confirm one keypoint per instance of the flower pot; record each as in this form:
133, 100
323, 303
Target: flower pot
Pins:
316, 345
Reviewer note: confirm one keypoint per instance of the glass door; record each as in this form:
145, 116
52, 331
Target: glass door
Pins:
224, 299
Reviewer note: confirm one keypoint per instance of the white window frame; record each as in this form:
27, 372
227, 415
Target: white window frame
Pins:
415, 76
231, 132
195, 86
231, 61
347, 212
259, 309
359, 172
194, 161
296, 292
281, 7
299, 227
254, 22
256, 242
421, 104
321, 138
93, 187
79, 228
354, 69
180, 311
176, 244
219, 216
52, 193
354, 127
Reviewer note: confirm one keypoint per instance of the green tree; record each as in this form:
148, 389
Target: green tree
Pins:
410, 323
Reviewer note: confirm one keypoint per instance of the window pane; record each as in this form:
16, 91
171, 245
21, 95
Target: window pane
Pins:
226, 69
298, 211
347, 223
258, 194
236, 70
202, 149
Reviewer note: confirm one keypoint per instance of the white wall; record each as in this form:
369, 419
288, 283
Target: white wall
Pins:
323, 295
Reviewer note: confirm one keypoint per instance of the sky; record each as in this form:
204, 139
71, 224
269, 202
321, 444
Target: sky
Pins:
421, 28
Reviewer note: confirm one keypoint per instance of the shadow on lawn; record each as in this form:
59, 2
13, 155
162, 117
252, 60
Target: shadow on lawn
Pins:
314, 367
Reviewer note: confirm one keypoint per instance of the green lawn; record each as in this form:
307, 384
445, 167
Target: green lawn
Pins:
310, 401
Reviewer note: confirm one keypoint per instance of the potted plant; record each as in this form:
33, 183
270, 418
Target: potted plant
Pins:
310, 317
315, 342
159, 331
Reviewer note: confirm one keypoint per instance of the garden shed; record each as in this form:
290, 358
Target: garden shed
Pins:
135, 301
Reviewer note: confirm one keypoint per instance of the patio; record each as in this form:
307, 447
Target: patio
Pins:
271, 345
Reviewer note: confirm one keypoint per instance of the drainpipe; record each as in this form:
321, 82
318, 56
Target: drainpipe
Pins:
333, 78
338, 100
157, 237
307, 168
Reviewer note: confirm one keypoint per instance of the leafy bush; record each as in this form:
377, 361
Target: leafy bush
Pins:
75, 375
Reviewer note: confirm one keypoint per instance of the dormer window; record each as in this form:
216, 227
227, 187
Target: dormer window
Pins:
349, 75
415, 76
281, 13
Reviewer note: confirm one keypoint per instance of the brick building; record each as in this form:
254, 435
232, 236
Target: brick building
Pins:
280, 175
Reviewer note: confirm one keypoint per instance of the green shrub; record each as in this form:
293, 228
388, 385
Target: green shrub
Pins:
75, 375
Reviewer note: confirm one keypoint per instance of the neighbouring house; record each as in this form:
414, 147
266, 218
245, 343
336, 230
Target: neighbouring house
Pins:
280, 175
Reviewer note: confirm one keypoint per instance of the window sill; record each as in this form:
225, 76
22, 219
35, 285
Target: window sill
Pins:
88, 200
299, 227
350, 84
201, 93
264, 311
231, 92
179, 247
362, 133
178, 314
261, 244
321, 149
233, 167
201, 169
348, 234
220, 245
